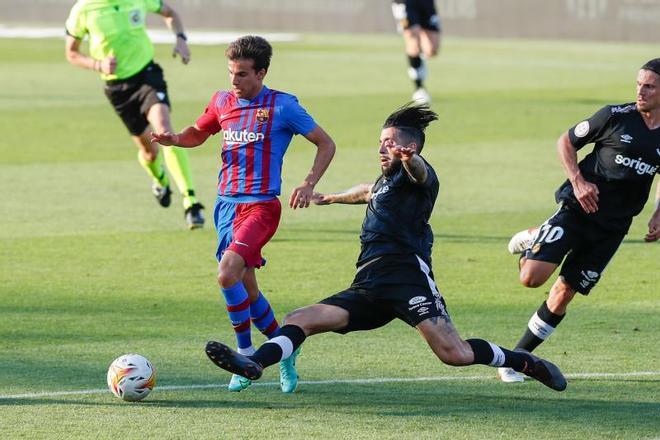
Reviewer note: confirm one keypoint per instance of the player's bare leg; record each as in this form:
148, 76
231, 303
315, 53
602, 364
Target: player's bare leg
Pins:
448, 346
417, 71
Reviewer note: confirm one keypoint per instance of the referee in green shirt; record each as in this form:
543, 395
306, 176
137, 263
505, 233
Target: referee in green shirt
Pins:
122, 53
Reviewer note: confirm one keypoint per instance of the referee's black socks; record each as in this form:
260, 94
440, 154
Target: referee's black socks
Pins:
280, 347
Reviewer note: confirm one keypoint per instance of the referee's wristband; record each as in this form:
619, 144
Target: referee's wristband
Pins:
182, 36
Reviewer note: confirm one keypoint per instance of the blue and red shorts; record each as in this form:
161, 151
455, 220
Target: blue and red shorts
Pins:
246, 227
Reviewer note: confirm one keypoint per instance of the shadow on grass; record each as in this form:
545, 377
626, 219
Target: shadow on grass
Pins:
148, 403
583, 404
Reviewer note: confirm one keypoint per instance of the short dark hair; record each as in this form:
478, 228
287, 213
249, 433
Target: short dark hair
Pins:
652, 65
411, 120
251, 47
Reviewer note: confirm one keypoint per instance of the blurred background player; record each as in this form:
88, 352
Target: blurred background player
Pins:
419, 23
122, 53
394, 278
258, 124
603, 193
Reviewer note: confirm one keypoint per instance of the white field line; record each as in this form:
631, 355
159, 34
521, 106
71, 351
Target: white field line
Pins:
157, 36
379, 380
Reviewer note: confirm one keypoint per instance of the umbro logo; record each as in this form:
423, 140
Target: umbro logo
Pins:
626, 138
161, 96
657, 150
240, 243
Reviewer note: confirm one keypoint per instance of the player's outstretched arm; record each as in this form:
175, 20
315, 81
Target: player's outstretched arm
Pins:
173, 21
190, 137
412, 163
301, 196
358, 194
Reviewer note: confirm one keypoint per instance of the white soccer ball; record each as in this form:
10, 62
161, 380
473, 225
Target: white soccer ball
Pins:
131, 377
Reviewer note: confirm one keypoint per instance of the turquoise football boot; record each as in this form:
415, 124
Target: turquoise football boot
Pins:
288, 373
238, 383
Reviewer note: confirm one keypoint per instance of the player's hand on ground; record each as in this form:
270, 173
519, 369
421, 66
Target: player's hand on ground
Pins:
181, 49
301, 196
320, 199
586, 194
654, 230
109, 65
166, 138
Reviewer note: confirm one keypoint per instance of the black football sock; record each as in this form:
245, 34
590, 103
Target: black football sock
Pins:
487, 353
416, 63
280, 347
539, 328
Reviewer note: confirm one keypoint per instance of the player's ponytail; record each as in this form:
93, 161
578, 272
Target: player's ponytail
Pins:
412, 118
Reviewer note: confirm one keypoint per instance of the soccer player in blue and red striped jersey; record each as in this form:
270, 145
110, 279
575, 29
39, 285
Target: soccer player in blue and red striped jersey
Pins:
258, 124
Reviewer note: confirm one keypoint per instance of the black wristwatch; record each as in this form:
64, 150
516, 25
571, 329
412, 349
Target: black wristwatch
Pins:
182, 36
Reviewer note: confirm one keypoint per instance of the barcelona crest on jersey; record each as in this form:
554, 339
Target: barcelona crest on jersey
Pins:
262, 114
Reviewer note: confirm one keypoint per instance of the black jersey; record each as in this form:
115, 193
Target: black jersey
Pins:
623, 163
397, 217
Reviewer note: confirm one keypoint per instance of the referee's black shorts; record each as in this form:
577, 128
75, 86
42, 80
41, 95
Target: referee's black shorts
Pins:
134, 96
393, 286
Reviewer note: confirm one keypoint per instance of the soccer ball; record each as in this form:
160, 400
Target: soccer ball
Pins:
131, 377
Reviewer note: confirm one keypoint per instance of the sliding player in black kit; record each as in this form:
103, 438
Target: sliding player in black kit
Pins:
597, 204
394, 277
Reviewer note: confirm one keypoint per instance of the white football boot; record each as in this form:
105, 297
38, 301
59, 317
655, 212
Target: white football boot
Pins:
509, 375
522, 241
421, 96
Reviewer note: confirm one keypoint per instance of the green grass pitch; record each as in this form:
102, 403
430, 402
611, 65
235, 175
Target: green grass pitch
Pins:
91, 268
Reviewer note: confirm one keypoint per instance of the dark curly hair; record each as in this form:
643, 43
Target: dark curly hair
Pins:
411, 120
251, 47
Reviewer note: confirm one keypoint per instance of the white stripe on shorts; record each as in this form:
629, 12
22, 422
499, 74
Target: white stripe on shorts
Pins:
427, 271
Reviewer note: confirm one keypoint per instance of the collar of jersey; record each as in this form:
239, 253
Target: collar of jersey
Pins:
244, 102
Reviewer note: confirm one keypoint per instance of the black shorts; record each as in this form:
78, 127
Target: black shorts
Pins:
391, 287
133, 97
419, 13
588, 247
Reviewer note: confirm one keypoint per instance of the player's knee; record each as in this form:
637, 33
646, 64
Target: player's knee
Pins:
227, 279
531, 279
